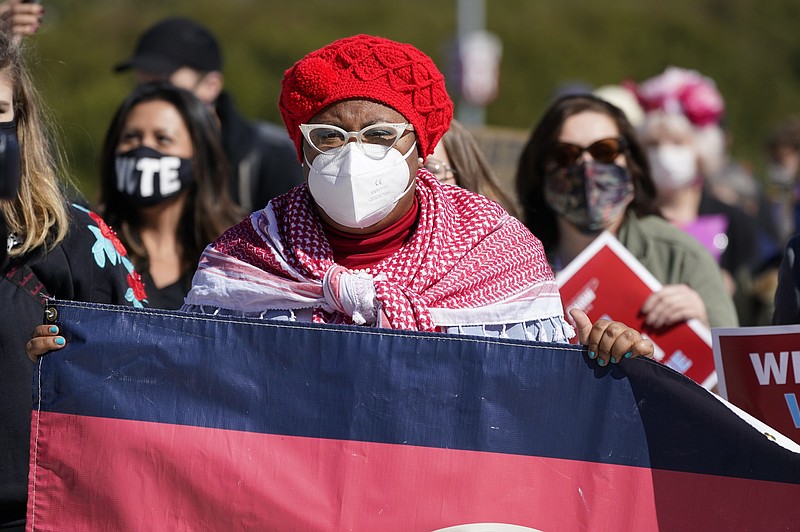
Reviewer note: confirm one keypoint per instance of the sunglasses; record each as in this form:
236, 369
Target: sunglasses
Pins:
604, 150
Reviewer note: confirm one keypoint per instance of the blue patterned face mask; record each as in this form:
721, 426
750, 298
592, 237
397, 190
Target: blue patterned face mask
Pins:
589, 195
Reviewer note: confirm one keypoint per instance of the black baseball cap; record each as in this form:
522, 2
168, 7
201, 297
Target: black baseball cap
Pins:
174, 43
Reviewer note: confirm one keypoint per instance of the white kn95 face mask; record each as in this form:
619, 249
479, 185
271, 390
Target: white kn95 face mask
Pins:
356, 186
672, 166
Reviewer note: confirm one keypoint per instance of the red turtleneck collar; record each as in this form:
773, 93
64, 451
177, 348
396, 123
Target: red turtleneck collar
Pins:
361, 251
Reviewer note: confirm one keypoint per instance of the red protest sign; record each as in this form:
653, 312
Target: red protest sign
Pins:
607, 281
759, 371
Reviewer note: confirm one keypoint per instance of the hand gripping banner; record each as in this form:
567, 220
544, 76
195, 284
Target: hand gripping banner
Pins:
157, 420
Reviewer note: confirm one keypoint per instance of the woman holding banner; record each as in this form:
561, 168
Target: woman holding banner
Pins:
51, 248
373, 238
582, 172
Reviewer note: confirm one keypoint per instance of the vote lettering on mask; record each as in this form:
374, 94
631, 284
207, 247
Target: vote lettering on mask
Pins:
147, 177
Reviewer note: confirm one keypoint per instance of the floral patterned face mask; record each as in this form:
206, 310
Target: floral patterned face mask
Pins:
589, 195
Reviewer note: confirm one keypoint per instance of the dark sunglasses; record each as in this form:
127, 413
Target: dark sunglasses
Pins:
604, 150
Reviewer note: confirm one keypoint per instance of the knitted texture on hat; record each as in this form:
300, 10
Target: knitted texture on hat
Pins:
373, 68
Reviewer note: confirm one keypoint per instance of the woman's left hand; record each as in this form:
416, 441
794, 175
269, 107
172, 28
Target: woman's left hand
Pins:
610, 341
44, 339
674, 303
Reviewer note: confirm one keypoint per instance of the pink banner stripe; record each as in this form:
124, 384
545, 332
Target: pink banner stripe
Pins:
104, 474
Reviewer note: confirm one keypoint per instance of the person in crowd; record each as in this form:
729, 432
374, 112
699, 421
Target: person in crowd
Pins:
783, 174
164, 186
53, 248
583, 171
680, 91
187, 54
787, 294
623, 97
457, 160
724, 231
401, 251
17, 19
20, 18
373, 238
684, 142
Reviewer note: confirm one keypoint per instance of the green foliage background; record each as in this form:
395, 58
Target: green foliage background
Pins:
750, 47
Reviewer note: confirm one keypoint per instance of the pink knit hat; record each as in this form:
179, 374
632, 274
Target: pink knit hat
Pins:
372, 68
682, 91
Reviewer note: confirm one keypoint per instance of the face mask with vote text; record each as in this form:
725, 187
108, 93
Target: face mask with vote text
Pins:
147, 177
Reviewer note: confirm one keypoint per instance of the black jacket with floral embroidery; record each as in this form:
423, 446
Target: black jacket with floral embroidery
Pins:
89, 265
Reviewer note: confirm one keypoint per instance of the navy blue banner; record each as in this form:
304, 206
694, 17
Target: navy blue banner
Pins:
386, 386
146, 389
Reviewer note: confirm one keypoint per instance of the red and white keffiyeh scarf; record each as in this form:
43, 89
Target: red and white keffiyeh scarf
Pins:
467, 263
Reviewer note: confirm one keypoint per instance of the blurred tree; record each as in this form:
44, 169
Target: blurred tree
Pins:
751, 48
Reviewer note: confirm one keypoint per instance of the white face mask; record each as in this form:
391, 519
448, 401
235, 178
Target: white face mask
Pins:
672, 166
780, 174
355, 187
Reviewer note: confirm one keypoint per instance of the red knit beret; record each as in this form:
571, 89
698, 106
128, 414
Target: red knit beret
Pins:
373, 68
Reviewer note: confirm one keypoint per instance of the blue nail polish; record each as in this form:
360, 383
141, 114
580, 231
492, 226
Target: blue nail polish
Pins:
601, 362
628, 354
53, 329
592, 355
60, 341
613, 360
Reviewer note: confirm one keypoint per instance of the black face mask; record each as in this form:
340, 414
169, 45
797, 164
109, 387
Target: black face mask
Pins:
10, 166
147, 177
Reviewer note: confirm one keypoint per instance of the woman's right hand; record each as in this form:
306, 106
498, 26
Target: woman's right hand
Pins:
44, 339
610, 341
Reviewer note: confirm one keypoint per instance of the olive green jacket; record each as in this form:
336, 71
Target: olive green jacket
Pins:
675, 257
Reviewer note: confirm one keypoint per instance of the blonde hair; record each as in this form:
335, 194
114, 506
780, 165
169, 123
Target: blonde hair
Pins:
38, 216
659, 124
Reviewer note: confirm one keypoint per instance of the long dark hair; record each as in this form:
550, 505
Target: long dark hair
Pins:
209, 209
537, 215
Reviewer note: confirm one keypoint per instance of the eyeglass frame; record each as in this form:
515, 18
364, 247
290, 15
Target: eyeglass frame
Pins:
443, 165
622, 149
400, 127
